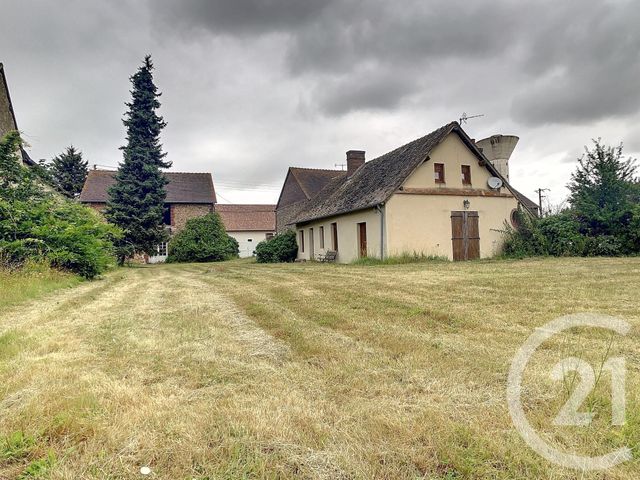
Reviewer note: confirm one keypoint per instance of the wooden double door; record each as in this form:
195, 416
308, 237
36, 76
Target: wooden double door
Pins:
465, 235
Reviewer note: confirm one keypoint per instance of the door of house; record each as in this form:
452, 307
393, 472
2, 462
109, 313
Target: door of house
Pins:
465, 235
362, 239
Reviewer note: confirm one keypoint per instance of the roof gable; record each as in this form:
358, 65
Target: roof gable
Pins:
374, 182
7, 115
305, 183
182, 187
8, 121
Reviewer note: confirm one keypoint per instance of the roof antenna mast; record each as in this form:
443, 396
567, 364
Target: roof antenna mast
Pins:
464, 118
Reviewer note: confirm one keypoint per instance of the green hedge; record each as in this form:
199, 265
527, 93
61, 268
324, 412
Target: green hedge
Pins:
280, 248
203, 239
36, 225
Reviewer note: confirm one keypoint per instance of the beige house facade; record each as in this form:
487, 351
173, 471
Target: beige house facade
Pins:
439, 195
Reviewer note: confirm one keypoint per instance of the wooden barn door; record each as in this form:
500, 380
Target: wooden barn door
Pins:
362, 239
465, 235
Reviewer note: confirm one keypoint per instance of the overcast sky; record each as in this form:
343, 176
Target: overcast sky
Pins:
251, 87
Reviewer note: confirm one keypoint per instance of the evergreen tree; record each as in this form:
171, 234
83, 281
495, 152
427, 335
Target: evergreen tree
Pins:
136, 201
602, 191
69, 171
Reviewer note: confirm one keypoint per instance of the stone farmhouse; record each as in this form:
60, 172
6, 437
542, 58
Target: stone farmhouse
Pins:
443, 194
191, 195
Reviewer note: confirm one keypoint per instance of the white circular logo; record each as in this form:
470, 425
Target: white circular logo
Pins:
568, 414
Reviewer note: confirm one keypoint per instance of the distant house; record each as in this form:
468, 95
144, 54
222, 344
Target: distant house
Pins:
438, 195
189, 195
8, 121
248, 224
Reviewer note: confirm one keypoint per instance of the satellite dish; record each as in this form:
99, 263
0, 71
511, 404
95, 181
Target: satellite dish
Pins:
494, 183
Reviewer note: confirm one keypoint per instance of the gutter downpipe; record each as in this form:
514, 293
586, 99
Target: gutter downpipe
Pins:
381, 210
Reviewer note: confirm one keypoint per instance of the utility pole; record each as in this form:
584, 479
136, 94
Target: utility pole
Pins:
540, 192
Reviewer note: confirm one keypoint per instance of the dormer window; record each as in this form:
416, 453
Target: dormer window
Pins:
438, 172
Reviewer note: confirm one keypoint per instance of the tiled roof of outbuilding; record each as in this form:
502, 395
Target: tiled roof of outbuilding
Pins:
239, 218
182, 187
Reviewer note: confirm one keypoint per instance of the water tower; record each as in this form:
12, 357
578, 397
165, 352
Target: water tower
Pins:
498, 150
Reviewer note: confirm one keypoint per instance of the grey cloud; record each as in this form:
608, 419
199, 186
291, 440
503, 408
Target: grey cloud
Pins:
582, 65
237, 16
253, 86
363, 91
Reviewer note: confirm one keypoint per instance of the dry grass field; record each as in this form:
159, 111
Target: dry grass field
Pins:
240, 370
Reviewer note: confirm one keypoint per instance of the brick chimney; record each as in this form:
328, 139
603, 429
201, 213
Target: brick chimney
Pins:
355, 159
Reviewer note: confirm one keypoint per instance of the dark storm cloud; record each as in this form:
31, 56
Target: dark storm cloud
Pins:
572, 61
238, 16
253, 86
363, 91
582, 65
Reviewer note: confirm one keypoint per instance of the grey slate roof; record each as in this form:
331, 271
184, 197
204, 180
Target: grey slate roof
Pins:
374, 182
313, 180
182, 187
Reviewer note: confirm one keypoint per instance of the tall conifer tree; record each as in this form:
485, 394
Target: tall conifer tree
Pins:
137, 200
69, 171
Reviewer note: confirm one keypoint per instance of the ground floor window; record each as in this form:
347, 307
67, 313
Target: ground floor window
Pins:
269, 236
301, 241
162, 249
321, 237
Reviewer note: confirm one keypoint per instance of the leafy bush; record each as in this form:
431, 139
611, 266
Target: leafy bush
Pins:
602, 246
603, 219
35, 225
203, 239
562, 235
280, 248
68, 235
559, 236
527, 240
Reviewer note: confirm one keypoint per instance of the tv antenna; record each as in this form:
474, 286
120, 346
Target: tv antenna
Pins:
341, 165
465, 118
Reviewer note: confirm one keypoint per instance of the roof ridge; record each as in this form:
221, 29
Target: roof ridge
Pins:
249, 204
318, 169
373, 182
181, 173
